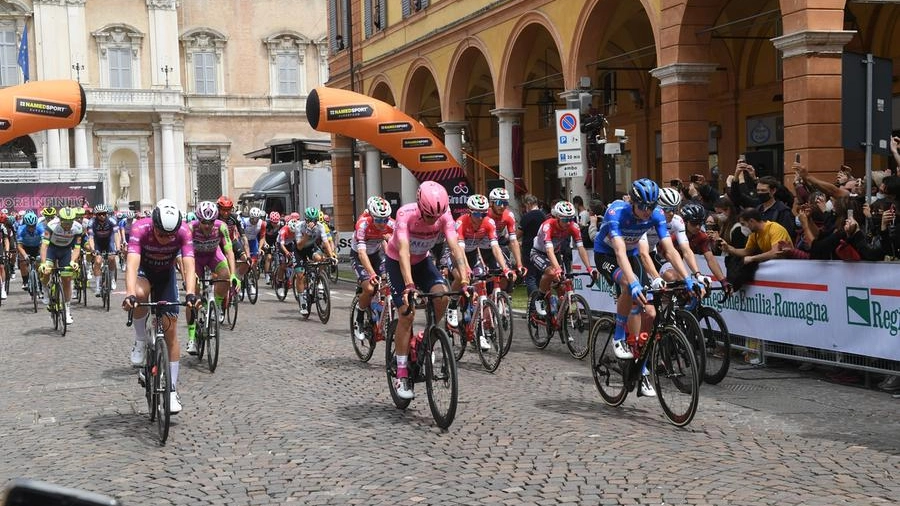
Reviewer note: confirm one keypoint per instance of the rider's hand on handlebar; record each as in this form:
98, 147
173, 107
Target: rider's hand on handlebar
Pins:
595, 274
523, 271
374, 280
129, 303
637, 292
726, 287
657, 283
192, 301
409, 294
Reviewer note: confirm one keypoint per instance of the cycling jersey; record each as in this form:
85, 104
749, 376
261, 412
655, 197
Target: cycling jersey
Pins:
308, 236
368, 236
157, 256
209, 248
620, 221
102, 232
551, 234
254, 232
472, 238
506, 225
30, 238
55, 235
676, 229
409, 226
271, 233
700, 243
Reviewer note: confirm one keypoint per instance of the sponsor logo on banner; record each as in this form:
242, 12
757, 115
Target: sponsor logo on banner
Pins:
43, 108
866, 308
35, 196
458, 190
417, 142
349, 112
432, 157
393, 128
776, 305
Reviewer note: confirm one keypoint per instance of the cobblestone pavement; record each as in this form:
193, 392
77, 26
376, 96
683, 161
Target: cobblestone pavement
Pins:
292, 416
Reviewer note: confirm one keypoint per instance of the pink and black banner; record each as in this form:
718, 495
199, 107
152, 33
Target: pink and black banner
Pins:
36, 196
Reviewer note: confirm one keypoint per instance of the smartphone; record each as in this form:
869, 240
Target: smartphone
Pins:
742, 158
797, 158
850, 214
30, 493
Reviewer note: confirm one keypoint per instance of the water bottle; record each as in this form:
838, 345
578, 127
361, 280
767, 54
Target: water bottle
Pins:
467, 317
554, 304
414, 344
376, 311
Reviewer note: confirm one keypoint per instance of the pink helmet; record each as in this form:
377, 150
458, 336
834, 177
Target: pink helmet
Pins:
207, 210
432, 200
274, 217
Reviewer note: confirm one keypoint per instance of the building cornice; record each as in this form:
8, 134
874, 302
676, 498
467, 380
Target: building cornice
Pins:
813, 42
683, 73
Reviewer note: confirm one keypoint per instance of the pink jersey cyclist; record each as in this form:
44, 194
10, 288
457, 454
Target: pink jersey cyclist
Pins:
210, 249
410, 226
158, 259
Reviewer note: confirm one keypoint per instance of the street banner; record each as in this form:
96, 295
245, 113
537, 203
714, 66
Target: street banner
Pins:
36, 196
393, 132
40, 105
848, 307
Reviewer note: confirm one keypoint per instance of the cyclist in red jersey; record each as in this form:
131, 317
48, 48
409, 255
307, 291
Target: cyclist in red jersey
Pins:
373, 228
506, 227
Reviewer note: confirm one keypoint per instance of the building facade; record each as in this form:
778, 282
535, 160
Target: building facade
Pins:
177, 91
693, 83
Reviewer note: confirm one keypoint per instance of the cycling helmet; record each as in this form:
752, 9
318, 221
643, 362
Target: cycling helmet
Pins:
499, 194
79, 211
274, 217
190, 216
101, 209
30, 219
49, 213
378, 207
311, 214
644, 191
432, 200
67, 214
129, 214
295, 216
694, 212
224, 202
207, 210
256, 213
563, 209
669, 198
166, 216
297, 226
477, 202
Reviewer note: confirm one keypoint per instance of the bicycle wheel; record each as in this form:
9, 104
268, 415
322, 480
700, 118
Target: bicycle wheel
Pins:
391, 366
487, 326
333, 273
252, 285
162, 385
676, 376
200, 331
717, 342
576, 327
279, 283
84, 285
297, 290
233, 304
538, 328
54, 303
365, 347
34, 288
211, 334
504, 312
323, 299
441, 381
149, 392
688, 324
61, 311
105, 288
608, 371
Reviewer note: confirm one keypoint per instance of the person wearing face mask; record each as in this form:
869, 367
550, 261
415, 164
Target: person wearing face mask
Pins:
772, 209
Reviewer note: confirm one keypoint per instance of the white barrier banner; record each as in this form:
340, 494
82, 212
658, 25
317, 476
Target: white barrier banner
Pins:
851, 307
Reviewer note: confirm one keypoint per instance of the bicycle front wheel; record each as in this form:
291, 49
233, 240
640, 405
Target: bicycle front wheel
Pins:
279, 283
34, 288
504, 312
105, 288
333, 273
539, 329
323, 298
162, 385
390, 362
608, 371
676, 376
576, 326
488, 336
252, 285
717, 342
688, 324
441, 381
231, 308
200, 331
365, 347
211, 336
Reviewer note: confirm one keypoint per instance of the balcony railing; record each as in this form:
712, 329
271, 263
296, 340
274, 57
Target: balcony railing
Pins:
105, 99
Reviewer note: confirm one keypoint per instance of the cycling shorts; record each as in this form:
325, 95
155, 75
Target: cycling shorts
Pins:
425, 276
376, 259
104, 245
162, 287
62, 254
607, 264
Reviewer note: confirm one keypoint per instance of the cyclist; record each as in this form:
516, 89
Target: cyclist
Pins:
212, 250
372, 229
669, 202
155, 242
47, 214
238, 237
103, 237
506, 228
417, 228
269, 241
62, 242
694, 215
616, 255
255, 231
5, 235
306, 235
286, 245
476, 233
545, 253
28, 242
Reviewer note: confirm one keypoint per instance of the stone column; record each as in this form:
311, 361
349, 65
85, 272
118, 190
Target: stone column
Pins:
170, 181
81, 146
453, 139
684, 118
180, 175
409, 185
372, 162
507, 118
812, 97
157, 165
53, 158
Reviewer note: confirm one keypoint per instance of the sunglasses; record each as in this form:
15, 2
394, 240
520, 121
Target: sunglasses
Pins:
478, 214
207, 222
381, 221
501, 203
646, 207
567, 220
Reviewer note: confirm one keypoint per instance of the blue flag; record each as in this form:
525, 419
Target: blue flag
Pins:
23, 54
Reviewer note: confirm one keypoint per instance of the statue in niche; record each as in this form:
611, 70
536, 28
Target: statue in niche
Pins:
124, 181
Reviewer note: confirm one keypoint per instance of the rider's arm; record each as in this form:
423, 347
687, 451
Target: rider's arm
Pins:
646, 260
405, 266
45, 243
133, 263
225, 244
459, 254
76, 250
674, 257
688, 256
714, 265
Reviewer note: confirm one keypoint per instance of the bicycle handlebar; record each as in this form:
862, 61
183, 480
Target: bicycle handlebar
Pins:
161, 303
421, 298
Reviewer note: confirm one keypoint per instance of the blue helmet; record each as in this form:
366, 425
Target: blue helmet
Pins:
644, 191
30, 219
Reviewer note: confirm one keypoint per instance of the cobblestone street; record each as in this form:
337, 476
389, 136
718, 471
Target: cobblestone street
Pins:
291, 415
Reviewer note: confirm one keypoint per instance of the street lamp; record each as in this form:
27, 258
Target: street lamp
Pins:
78, 67
166, 71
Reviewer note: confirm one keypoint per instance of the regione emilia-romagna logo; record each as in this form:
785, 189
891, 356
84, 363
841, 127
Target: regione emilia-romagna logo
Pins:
874, 307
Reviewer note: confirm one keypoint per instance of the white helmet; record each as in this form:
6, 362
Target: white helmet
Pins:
669, 198
256, 213
499, 194
378, 207
563, 209
207, 210
477, 202
166, 216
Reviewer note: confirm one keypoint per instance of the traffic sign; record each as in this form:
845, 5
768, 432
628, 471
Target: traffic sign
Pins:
566, 157
568, 129
570, 171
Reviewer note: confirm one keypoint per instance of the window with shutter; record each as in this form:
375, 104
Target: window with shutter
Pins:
204, 73
288, 70
9, 52
209, 177
119, 67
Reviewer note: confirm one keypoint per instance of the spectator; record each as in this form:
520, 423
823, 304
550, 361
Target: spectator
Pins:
584, 216
741, 186
596, 219
527, 230
766, 240
730, 227
772, 209
702, 192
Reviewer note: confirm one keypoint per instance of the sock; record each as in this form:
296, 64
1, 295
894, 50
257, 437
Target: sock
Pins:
620, 327
140, 329
192, 331
97, 283
173, 371
401, 366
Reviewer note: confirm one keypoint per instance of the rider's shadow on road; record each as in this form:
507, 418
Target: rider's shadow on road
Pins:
373, 415
600, 412
132, 426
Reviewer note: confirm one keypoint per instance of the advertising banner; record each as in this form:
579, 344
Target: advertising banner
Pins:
851, 307
36, 196
40, 105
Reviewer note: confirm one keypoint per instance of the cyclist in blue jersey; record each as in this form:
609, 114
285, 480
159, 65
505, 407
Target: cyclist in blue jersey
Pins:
29, 238
616, 256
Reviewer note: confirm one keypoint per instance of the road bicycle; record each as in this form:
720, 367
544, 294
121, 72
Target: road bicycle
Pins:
105, 281
317, 291
206, 322
375, 320
503, 301
34, 283
56, 299
430, 361
333, 274
479, 323
80, 283
567, 312
250, 282
665, 351
282, 279
154, 375
716, 341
